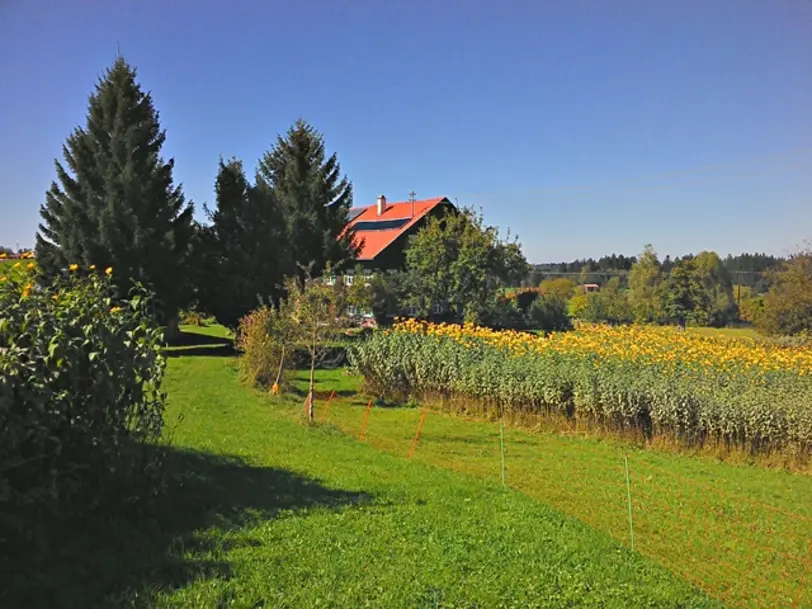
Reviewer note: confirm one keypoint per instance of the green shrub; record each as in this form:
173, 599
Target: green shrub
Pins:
192, 318
787, 307
549, 312
80, 377
524, 298
261, 345
505, 313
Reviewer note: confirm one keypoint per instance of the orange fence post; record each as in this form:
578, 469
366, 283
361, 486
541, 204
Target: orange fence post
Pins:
417, 435
327, 407
364, 424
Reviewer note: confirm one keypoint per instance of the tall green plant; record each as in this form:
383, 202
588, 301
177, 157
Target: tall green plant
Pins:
315, 319
787, 307
314, 201
115, 203
459, 262
644, 283
244, 249
80, 383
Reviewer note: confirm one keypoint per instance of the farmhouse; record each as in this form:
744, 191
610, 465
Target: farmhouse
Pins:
383, 230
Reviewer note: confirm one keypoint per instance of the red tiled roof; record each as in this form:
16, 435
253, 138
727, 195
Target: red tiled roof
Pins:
373, 242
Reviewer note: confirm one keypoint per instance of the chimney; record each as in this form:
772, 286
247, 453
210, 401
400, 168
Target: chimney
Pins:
381, 204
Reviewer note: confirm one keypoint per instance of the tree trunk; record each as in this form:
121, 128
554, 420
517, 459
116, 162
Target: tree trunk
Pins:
281, 362
172, 330
311, 409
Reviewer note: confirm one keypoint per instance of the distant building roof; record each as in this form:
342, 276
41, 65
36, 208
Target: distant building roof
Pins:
375, 232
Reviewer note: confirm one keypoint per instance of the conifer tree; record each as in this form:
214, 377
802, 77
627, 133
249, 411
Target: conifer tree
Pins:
114, 203
314, 200
246, 253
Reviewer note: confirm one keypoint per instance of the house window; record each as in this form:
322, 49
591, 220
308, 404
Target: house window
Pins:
411, 311
331, 280
348, 279
437, 309
352, 310
367, 278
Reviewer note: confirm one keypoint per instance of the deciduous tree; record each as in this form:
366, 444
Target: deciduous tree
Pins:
561, 286
615, 302
644, 280
716, 282
316, 322
685, 299
788, 304
461, 263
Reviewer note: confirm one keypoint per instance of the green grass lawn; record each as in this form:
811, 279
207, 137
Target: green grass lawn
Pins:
742, 533
747, 333
261, 510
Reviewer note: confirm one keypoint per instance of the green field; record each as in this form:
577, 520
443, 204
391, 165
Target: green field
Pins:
741, 533
261, 510
746, 332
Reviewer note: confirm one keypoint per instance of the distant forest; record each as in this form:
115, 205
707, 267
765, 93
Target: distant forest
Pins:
745, 269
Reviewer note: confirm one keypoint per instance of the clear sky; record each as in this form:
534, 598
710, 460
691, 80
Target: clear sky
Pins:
586, 127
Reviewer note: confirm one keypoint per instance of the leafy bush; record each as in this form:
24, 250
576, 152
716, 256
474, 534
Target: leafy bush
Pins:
656, 380
549, 312
524, 298
80, 377
594, 310
504, 313
192, 317
562, 287
788, 305
750, 310
260, 340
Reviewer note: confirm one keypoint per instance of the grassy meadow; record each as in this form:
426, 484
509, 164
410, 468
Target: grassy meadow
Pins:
261, 510
742, 533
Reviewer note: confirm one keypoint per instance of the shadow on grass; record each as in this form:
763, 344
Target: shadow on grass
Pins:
322, 394
125, 552
192, 343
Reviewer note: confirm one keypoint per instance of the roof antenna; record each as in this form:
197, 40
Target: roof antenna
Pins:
411, 200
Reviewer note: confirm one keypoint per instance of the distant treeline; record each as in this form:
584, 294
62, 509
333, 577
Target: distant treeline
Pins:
745, 269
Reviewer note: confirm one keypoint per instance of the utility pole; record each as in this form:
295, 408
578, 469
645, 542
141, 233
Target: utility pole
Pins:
411, 200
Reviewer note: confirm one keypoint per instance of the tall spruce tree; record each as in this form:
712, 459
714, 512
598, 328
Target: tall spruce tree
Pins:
245, 252
313, 198
115, 203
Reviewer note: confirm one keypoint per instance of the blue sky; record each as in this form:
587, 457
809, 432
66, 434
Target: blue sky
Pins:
584, 127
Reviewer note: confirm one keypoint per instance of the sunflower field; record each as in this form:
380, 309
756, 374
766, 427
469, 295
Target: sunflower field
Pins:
658, 381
